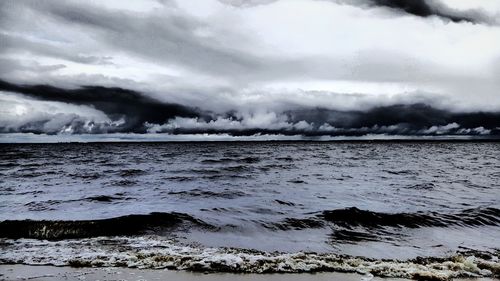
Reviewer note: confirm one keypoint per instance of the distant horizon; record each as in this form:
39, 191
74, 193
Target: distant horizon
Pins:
27, 138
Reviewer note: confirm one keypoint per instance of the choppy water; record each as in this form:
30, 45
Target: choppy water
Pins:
120, 202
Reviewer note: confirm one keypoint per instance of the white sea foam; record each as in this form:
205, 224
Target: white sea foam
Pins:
154, 252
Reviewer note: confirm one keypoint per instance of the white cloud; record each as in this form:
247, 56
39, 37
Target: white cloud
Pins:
22, 114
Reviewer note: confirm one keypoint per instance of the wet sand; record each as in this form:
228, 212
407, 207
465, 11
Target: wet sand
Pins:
48, 273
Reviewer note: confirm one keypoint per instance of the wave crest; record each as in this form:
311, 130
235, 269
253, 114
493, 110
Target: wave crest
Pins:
124, 225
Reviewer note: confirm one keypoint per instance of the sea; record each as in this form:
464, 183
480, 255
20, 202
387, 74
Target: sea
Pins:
412, 209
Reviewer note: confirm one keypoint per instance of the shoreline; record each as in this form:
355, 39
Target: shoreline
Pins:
18, 272
154, 256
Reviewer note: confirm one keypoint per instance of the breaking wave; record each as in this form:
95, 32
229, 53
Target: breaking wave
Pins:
350, 224
124, 225
157, 253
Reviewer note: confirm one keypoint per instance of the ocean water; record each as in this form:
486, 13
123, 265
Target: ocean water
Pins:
386, 208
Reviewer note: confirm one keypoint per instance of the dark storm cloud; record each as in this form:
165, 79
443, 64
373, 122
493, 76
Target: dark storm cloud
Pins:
427, 8
399, 119
142, 114
117, 103
419, 8
411, 117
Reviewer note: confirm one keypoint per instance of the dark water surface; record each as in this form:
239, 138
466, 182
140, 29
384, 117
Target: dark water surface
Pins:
395, 200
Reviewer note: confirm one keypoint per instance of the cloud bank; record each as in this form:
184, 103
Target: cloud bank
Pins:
130, 108
116, 110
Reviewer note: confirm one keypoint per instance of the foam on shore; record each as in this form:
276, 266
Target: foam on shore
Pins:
156, 253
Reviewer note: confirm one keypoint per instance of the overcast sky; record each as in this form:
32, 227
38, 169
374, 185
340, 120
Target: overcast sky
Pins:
313, 67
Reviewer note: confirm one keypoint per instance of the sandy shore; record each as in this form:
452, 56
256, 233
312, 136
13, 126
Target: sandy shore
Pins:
49, 273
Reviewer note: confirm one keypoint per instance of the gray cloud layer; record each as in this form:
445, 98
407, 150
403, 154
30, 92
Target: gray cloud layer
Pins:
133, 112
342, 67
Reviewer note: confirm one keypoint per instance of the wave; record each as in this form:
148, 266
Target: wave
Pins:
294, 224
157, 253
197, 192
345, 220
131, 172
348, 225
118, 226
244, 160
353, 217
105, 198
50, 204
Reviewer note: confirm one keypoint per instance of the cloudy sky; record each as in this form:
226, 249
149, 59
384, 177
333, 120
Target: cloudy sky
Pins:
240, 68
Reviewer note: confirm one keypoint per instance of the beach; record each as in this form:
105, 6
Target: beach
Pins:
47, 273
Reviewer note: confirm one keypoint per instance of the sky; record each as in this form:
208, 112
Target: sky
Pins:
236, 68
